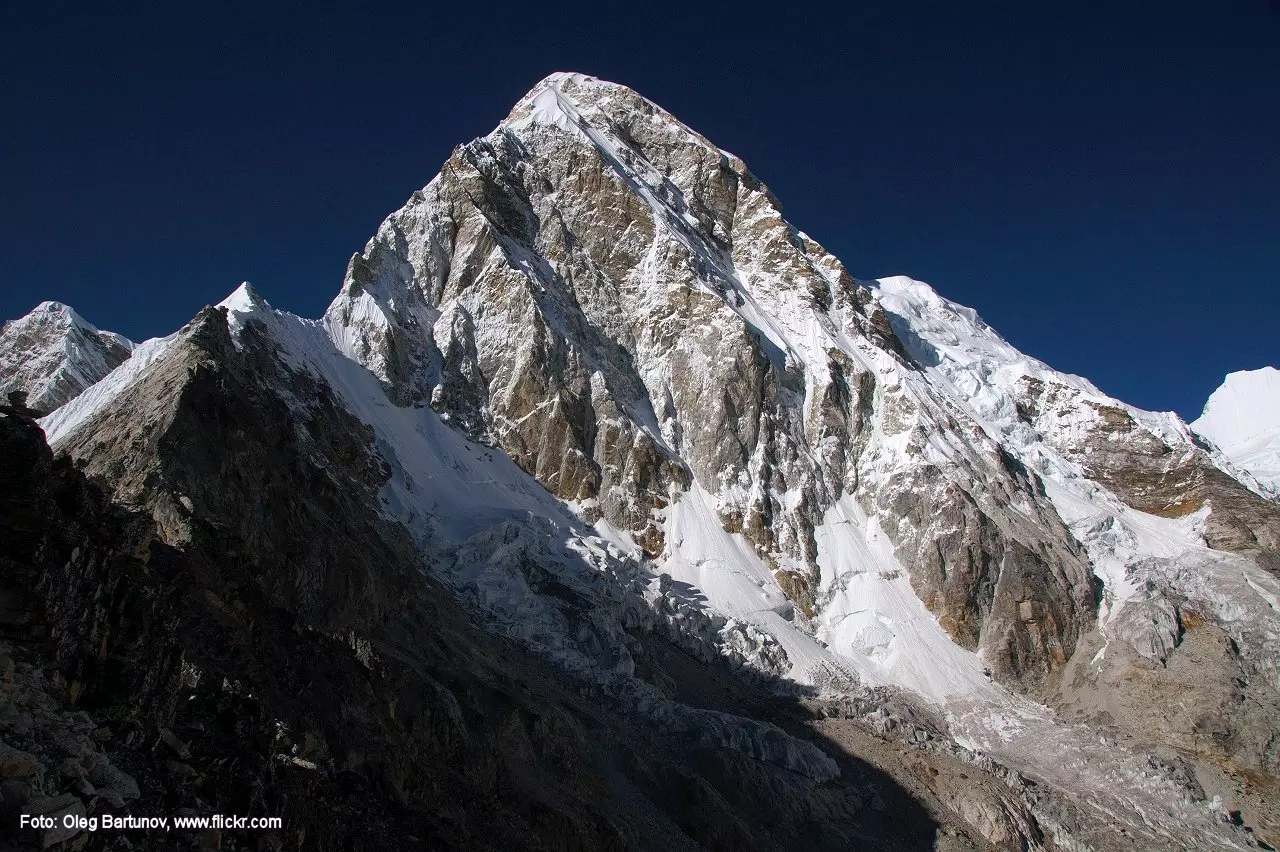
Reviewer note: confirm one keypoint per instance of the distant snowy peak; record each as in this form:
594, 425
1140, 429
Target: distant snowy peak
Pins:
1245, 406
1243, 418
1062, 425
981, 367
52, 354
933, 327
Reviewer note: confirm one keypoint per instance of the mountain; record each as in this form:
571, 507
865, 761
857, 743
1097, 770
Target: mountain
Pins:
52, 354
605, 508
1243, 417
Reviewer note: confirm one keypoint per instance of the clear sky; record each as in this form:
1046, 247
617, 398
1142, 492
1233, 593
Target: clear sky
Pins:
1100, 180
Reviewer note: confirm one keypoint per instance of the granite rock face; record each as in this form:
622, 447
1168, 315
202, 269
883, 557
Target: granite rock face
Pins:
619, 305
1184, 669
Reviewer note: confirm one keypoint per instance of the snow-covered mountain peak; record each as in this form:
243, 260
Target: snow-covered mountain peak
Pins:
244, 298
1243, 418
1245, 406
935, 328
53, 353
1045, 416
602, 382
57, 309
569, 87
561, 82
596, 110
59, 315
987, 370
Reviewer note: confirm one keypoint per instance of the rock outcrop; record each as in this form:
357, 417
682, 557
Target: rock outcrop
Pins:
1155, 471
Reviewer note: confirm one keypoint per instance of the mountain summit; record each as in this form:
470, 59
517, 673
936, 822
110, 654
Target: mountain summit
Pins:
769, 547
52, 354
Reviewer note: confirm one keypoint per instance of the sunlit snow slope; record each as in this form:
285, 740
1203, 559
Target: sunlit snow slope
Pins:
1243, 418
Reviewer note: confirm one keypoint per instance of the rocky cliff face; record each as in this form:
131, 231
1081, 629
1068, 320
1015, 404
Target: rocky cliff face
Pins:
747, 527
1181, 657
619, 305
52, 355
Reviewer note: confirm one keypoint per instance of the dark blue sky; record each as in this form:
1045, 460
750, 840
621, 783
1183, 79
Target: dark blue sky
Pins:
1100, 180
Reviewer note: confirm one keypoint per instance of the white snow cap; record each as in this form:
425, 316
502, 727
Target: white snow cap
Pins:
1246, 406
60, 313
67, 316
1243, 418
243, 299
558, 100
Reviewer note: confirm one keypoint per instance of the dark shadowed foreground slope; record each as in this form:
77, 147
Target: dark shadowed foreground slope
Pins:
290, 660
